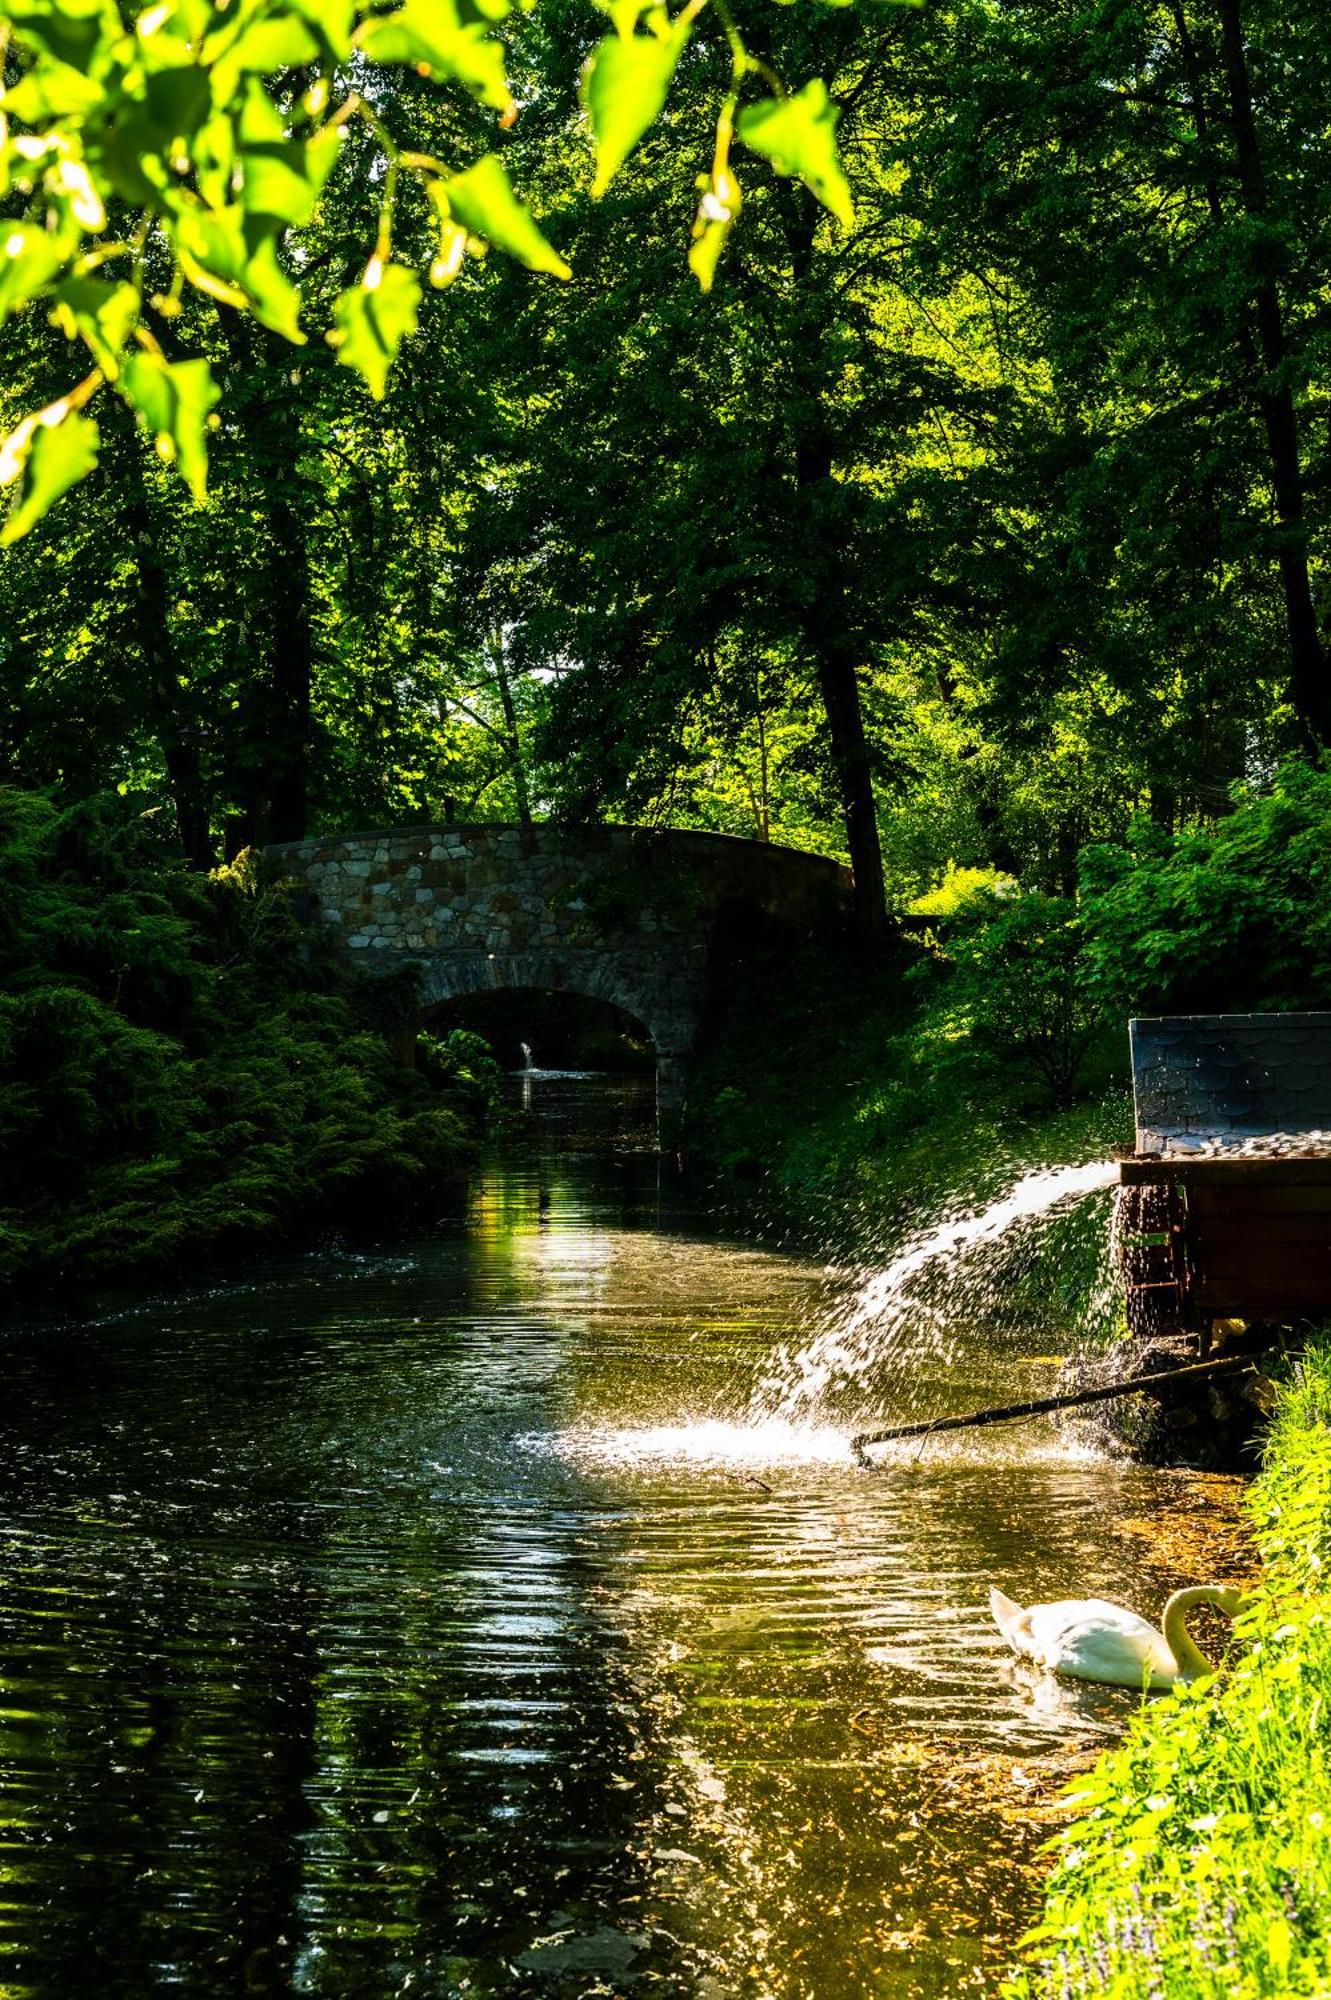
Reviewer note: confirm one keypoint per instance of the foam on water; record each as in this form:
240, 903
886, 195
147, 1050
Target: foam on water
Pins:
708, 1442
712, 1445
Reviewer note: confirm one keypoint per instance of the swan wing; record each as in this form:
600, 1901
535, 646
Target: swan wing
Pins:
1091, 1640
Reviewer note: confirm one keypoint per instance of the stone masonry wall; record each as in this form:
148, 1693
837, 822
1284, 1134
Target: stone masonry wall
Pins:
621, 913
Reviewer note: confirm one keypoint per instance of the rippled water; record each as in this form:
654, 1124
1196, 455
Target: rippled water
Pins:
430, 1623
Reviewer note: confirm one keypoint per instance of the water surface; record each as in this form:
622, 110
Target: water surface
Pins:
431, 1622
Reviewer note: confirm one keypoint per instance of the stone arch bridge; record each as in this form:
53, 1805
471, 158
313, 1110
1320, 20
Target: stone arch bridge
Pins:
631, 915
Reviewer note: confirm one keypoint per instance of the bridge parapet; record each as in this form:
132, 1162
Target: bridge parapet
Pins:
422, 889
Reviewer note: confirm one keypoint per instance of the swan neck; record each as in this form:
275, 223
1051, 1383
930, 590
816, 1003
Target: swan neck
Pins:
1191, 1660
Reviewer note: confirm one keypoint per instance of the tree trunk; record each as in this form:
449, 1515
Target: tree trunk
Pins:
1309, 682
514, 741
273, 761
291, 662
829, 639
177, 740
828, 627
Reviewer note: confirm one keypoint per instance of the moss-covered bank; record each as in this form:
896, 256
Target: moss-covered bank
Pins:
1199, 1867
185, 1069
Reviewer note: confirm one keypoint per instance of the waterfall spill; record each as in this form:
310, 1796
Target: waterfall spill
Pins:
909, 1312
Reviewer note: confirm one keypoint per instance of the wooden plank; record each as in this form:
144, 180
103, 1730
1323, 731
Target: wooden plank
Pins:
1190, 1173
1292, 1275
1259, 1201
1230, 1298
1263, 1232
1240, 1253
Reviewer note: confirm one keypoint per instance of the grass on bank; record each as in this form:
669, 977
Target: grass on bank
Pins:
1199, 1867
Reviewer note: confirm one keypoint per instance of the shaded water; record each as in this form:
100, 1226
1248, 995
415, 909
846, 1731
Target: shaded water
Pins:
431, 1623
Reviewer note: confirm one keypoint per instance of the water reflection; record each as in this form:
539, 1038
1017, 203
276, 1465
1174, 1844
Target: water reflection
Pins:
428, 1623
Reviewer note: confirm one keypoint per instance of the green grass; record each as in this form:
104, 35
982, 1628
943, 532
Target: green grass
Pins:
1200, 1863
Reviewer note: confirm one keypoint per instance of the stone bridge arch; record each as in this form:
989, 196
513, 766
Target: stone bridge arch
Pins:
669, 1018
631, 915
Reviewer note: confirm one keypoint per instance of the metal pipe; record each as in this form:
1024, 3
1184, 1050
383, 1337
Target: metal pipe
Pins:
1010, 1412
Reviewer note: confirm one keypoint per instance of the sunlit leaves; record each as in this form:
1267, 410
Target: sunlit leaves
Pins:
281, 177
372, 319
183, 112
48, 453
432, 35
75, 32
719, 206
175, 401
482, 201
281, 42
29, 260
624, 89
798, 135
233, 257
101, 313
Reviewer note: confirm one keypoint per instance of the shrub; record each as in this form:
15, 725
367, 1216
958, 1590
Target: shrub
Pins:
1019, 987
1232, 919
182, 1063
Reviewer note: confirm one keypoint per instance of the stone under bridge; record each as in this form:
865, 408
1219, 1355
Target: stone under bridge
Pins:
630, 915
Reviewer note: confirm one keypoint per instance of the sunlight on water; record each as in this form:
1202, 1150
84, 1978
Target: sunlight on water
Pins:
911, 1308
440, 1621
708, 1442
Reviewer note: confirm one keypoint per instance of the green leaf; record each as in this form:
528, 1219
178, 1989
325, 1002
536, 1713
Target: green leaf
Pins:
175, 400
53, 90
51, 451
29, 259
99, 313
179, 100
233, 257
281, 177
624, 88
433, 35
281, 42
372, 319
483, 201
77, 32
717, 210
798, 135
332, 20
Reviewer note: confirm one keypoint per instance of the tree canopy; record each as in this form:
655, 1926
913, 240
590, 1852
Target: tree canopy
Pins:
186, 145
972, 503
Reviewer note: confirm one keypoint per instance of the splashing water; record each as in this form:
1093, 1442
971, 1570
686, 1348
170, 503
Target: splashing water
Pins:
913, 1306
710, 1443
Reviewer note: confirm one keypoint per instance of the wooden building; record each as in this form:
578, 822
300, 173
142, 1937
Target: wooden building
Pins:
1224, 1209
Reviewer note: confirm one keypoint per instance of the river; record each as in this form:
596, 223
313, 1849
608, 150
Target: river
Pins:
423, 1622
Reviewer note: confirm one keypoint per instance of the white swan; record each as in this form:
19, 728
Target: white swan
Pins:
1089, 1640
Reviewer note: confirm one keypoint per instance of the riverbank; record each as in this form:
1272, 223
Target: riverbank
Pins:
185, 1071
1199, 1867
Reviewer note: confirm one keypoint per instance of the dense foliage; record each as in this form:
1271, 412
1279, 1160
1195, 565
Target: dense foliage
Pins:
960, 525
179, 1066
1199, 1867
1236, 916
